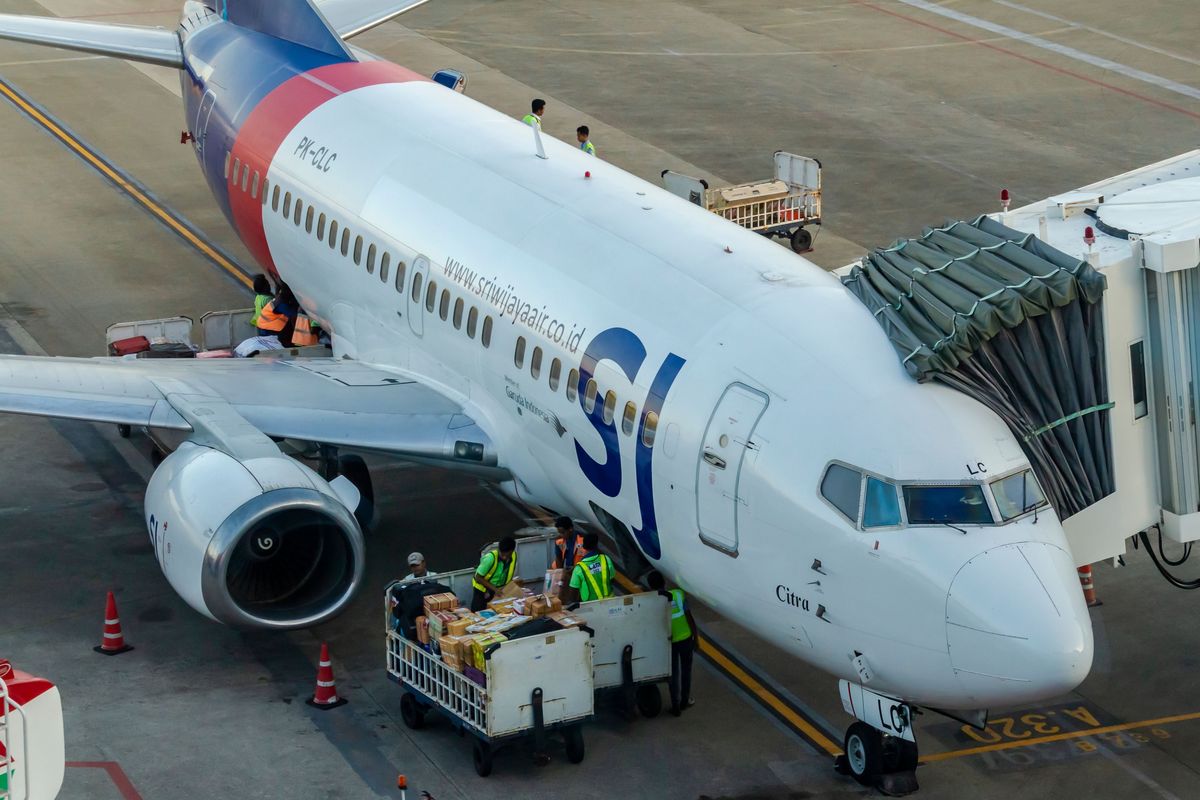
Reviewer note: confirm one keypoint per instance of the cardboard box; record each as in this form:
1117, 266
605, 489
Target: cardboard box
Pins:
510, 589
543, 605
458, 627
440, 602
553, 581
438, 622
423, 630
566, 619
481, 643
451, 647
502, 606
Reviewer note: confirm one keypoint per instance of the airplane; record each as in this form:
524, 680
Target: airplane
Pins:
503, 303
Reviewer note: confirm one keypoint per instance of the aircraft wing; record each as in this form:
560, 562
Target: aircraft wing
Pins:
133, 42
352, 17
336, 402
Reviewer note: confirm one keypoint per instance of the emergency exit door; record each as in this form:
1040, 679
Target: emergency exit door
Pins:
719, 469
416, 295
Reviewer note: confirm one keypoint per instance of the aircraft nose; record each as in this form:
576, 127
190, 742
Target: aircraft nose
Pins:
1017, 626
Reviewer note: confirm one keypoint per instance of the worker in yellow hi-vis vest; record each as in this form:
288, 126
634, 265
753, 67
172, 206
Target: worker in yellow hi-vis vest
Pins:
495, 570
537, 110
683, 643
593, 575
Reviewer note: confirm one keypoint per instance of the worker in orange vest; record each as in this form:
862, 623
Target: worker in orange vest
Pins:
568, 547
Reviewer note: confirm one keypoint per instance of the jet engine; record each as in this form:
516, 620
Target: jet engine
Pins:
257, 543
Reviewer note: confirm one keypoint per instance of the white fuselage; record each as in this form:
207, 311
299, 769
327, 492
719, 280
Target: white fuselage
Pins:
456, 191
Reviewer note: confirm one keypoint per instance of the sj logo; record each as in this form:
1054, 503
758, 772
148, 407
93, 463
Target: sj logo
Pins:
622, 347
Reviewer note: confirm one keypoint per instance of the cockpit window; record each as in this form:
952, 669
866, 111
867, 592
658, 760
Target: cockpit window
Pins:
882, 506
1017, 494
841, 487
961, 504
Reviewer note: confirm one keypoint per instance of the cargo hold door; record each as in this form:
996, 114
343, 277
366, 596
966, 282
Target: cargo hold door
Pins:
719, 466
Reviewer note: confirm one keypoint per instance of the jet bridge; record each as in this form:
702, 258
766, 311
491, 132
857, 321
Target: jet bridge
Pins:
1077, 320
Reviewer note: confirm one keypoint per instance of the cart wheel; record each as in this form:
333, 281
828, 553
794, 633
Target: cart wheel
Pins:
411, 712
123, 431
483, 758
801, 240
573, 736
649, 700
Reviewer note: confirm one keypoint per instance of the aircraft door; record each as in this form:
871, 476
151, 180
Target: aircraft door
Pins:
200, 130
719, 467
416, 295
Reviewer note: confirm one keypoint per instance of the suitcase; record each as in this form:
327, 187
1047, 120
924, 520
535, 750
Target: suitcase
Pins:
129, 346
168, 350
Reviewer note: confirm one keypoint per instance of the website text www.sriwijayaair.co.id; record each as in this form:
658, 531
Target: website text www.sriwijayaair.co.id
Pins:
510, 304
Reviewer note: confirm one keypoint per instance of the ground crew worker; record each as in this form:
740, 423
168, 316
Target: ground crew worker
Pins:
262, 296
278, 317
568, 547
592, 577
534, 117
304, 333
495, 570
683, 643
581, 134
416, 562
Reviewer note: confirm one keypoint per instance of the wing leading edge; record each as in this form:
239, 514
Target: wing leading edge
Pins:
132, 42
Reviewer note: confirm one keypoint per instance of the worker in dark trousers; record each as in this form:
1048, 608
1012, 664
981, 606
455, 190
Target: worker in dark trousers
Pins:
495, 570
683, 643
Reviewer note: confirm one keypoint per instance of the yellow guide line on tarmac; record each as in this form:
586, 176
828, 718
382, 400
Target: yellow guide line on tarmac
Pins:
1059, 737
127, 187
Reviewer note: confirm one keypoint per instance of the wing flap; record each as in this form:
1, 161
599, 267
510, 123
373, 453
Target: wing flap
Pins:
132, 42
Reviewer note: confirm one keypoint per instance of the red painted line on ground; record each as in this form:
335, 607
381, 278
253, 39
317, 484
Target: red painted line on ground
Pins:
115, 774
1031, 60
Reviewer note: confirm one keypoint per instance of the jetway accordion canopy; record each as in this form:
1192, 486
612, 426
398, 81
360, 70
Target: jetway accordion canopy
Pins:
1013, 323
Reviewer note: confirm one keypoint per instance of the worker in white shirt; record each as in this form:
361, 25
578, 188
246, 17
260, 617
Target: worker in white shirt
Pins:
416, 562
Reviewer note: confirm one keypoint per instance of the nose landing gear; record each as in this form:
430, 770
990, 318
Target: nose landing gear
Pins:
880, 750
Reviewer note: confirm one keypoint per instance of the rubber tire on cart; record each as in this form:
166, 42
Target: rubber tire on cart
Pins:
573, 736
801, 240
482, 754
124, 431
864, 753
411, 712
649, 700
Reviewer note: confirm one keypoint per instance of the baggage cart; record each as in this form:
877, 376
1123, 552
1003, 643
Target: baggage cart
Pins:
782, 206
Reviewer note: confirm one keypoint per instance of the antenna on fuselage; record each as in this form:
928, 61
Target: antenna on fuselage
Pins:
537, 142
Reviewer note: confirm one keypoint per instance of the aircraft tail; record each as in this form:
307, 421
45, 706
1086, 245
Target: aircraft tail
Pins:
297, 21
132, 42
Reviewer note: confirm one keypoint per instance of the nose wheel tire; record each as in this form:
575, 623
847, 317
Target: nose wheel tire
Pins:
864, 753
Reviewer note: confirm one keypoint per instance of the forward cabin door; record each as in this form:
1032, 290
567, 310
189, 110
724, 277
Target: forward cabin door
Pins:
719, 467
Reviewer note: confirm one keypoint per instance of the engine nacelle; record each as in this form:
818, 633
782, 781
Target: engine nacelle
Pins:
261, 543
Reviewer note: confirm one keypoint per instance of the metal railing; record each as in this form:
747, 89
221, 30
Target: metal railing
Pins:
9, 710
429, 675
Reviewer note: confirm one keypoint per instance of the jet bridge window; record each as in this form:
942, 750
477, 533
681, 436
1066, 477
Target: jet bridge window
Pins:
935, 505
881, 504
1137, 366
485, 338
519, 353
472, 322
842, 487
1017, 494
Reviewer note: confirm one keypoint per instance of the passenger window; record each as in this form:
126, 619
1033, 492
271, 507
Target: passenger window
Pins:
589, 396
416, 290
358, 243
842, 487
266, 187
882, 505
321, 226
287, 205
371, 261
555, 374
458, 311
650, 429
472, 321
383, 269
345, 241
610, 406
485, 338
237, 163
572, 385
275, 199
399, 272
430, 296
299, 211
228, 156
628, 418
519, 353
254, 187
535, 363
308, 220
333, 226
444, 306
245, 177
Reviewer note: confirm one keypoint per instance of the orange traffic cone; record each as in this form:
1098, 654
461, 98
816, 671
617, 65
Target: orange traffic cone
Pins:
113, 642
1089, 589
325, 697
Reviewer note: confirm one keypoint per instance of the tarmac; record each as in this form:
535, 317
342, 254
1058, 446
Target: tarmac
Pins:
918, 111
